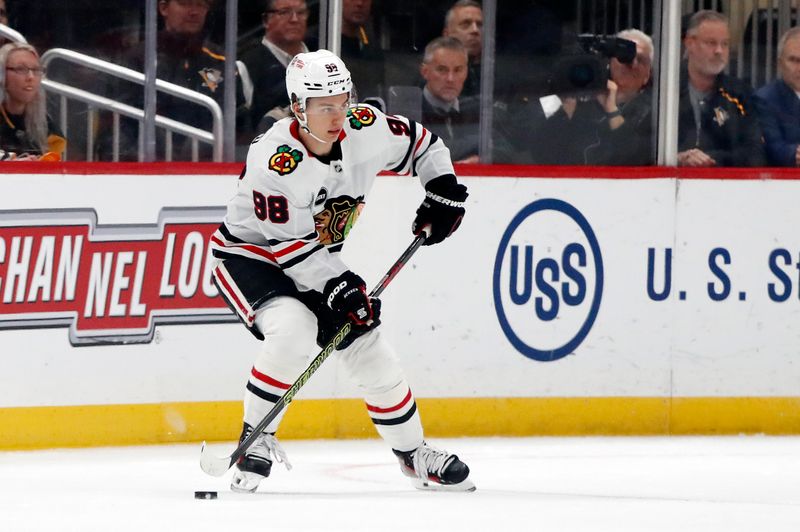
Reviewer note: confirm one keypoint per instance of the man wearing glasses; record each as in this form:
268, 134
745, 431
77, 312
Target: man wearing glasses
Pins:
285, 24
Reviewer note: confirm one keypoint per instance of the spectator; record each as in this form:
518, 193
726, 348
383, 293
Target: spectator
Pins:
464, 21
626, 134
362, 56
26, 132
778, 104
716, 122
612, 127
454, 119
285, 24
185, 58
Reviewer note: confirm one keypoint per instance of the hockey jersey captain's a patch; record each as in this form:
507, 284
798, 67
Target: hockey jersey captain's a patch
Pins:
285, 160
360, 116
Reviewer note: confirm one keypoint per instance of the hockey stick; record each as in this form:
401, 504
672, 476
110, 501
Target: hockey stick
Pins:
217, 466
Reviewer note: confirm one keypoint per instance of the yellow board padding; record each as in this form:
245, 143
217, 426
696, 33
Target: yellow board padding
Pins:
134, 424
137, 424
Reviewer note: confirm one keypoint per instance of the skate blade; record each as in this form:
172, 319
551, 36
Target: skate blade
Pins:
427, 485
237, 489
248, 483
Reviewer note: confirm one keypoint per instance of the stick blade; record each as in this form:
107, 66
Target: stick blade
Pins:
213, 465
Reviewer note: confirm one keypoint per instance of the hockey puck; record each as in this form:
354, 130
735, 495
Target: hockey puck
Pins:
205, 494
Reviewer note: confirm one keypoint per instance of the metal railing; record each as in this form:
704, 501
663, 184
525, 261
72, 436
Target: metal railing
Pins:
12, 34
97, 102
756, 26
761, 23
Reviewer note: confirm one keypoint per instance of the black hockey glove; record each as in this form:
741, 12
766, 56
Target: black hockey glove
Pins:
346, 299
328, 325
442, 208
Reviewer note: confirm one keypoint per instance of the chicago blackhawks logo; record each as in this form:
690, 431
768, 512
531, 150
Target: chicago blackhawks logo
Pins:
334, 222
360, 117
285, 160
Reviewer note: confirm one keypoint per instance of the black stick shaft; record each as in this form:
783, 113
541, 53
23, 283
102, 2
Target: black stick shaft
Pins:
287, 397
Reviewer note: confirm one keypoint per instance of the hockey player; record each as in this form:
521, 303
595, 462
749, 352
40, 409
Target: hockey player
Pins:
305, 182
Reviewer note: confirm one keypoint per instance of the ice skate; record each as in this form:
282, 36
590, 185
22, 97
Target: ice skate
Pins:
256, 463
432, 469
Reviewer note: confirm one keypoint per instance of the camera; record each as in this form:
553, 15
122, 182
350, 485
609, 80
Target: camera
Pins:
622, 49
585, 71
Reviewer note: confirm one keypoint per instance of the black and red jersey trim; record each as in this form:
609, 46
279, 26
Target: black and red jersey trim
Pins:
228, 236
412, 140
274, 242
300, 258
433, 140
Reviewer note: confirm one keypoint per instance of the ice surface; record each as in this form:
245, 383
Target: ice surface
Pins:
528, 484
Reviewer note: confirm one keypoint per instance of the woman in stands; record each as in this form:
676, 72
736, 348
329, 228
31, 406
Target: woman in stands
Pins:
26, 132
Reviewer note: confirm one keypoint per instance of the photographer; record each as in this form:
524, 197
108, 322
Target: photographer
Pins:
599, 111
627, 138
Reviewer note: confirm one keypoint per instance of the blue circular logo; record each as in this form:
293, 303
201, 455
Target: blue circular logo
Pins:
559, 282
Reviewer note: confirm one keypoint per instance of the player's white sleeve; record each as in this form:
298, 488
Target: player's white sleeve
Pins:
413, 149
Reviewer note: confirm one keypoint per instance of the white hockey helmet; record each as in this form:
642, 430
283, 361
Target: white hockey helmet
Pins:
316, 74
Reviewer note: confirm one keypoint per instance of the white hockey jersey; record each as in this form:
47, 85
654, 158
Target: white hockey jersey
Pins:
294, 210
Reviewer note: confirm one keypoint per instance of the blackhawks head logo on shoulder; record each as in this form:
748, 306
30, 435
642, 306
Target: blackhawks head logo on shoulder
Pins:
285, 160
360, 116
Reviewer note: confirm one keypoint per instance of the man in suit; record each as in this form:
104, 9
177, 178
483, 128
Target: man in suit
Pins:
453, 118
285, 25
778, 104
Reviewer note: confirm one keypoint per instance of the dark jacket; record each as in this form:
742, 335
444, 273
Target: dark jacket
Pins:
472, 85
631, 144
459, 130
14, 139
365, 61
192, 63
269, 85
729, 131
779, 114
195, 64
585, 138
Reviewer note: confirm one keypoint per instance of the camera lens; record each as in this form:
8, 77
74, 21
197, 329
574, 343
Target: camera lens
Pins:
581, 75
